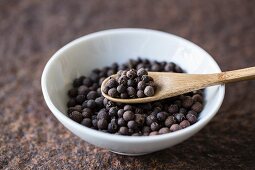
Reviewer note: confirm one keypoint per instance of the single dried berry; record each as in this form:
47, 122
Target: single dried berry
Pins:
141, 72
141, 85
76, 116
120, 112
91, 104
128, 115
175, 127
187, 102
86, 122
113, 92
170, 120
140, 94
92, 95
102, 124
80, 99
164, 130
161, 116
102, 115
131, 91
191, 118
121, 88
155, 126
131, 74
132, 124
100, 102
184, 124
121, 122
197, 98
112, 83
197, 107
123, 130
123, 80
149, 91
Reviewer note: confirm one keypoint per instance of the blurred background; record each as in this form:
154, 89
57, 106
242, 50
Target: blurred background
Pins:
32, 30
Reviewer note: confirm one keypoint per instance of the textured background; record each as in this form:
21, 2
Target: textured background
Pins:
32, 30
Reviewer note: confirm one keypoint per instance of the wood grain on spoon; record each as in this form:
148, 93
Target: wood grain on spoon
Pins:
174, 84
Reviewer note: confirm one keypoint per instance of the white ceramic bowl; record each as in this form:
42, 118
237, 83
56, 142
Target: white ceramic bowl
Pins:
118, 45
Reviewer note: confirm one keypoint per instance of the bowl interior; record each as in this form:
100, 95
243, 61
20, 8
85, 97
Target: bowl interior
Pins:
102, 49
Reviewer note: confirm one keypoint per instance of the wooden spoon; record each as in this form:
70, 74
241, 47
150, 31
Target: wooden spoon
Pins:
174, 84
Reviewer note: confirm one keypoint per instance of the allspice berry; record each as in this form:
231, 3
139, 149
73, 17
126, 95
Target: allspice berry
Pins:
128, 115
191, 118
149, 91
170, 120
197, 107
102, 124
164, 130
184, 124
87, 122
76, 116
123, 130
175, 127
87, 106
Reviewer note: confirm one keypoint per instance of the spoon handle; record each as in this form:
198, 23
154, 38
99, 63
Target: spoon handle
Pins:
236, 75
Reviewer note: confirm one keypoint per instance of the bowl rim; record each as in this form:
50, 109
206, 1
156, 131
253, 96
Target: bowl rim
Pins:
120, 138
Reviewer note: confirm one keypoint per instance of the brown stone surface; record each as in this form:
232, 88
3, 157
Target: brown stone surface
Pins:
32, 30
